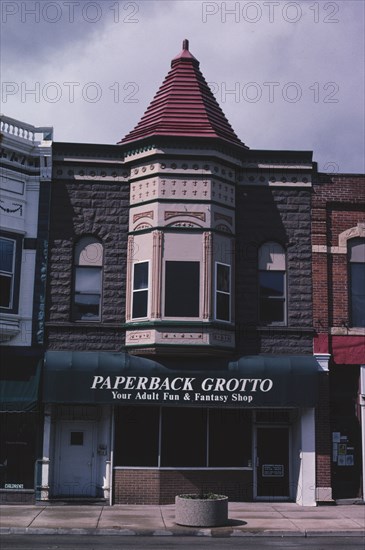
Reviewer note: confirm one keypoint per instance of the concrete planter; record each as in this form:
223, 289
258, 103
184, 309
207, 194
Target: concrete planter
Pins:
201, 512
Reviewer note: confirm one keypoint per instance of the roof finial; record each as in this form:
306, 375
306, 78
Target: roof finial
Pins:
186, 44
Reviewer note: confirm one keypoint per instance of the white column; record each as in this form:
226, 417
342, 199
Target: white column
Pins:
208, 275
128, 291
362, 406
46, 452
156, 274
306, 490
323, 361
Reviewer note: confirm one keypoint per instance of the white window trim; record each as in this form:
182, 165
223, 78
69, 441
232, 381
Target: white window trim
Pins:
216, 291
148, 289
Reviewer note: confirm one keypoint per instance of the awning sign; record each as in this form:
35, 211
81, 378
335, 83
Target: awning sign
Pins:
117, 379
184, 389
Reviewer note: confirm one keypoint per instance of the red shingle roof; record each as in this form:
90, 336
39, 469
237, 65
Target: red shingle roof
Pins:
184, 106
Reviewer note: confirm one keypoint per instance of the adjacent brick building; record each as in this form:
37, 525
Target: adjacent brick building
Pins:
338, 237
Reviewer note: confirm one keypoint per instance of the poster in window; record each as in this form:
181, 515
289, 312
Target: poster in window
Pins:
341, 460
349, 460
342, 448
336, 437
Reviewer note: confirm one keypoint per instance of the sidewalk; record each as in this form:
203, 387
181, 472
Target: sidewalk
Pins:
245, 519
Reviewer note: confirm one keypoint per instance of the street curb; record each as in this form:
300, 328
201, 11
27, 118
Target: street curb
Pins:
183, 533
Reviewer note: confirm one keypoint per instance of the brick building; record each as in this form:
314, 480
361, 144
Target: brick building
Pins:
26, 168
204, 325
338, 237
179, 320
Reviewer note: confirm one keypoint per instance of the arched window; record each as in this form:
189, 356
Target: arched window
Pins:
356, 258
272, 284
88, 266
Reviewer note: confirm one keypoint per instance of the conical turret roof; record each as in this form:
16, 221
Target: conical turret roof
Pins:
184, 106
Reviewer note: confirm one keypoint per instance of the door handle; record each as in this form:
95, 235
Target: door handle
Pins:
257, 462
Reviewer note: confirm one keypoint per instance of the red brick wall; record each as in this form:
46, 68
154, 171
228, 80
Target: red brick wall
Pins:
338, 205
161, 486
323, 439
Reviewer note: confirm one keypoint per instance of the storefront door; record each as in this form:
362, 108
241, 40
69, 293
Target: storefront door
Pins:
76, 460
272, 462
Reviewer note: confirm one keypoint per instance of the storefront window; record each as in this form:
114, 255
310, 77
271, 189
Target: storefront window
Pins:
178, 437
18, 450
183, 437
229, 438
136, 436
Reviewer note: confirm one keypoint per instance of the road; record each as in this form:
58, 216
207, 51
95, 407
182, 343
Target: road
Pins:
70, 542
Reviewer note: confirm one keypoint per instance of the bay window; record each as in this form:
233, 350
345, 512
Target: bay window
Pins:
222, 292
182, 289
140, 290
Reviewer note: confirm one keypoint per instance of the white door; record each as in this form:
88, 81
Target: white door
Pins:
76, 460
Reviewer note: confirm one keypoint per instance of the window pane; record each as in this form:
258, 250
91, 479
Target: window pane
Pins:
6, 255
183, 437
271, 283
223, 306
356, 249
357, 273
140, 304
182, 289
136, 436
140, 276
87, 307
272, 310
223, 282
229, 438
88, 279
5, 291
77, 438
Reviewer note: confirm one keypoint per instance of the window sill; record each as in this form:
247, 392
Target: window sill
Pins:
169, 468
88, 324
347, 331
9, 326
283, 328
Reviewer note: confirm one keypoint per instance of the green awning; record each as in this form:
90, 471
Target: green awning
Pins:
68, 375
19, 383
120, 378
295, 377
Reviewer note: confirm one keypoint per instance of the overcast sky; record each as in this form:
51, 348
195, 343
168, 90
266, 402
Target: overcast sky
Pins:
288, 75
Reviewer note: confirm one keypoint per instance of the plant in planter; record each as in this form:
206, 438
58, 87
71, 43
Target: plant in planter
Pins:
201, 510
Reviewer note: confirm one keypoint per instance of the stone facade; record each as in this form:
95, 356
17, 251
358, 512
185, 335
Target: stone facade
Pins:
281, 214
89, 199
